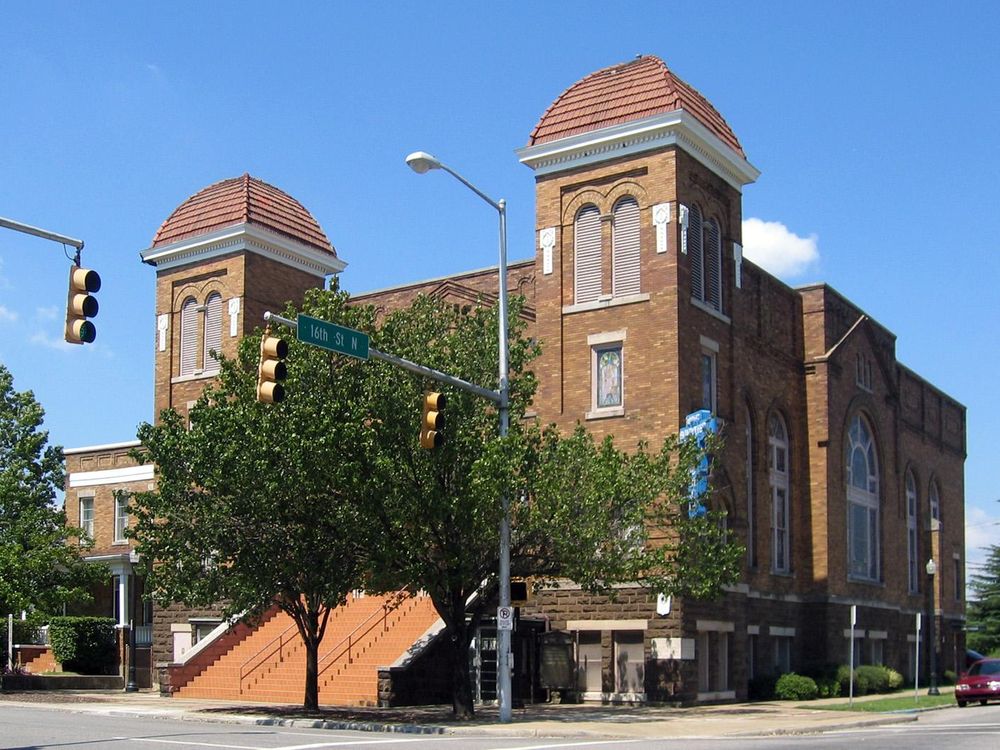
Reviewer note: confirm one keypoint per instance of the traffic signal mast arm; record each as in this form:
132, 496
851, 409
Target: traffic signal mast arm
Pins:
406, 364
45, 234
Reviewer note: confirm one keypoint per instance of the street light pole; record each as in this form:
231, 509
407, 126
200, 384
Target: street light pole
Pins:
931, 637
421, 162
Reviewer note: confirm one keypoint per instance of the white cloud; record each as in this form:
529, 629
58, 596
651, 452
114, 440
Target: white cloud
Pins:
41, 338
47, 313
772, 246
981, 531
7, 315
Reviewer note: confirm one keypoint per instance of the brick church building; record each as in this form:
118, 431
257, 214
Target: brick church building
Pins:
842, 471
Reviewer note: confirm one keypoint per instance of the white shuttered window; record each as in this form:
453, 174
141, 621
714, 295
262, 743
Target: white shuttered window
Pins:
625, 256
587, 253
213, 331
695, 252
189, 336
712, 266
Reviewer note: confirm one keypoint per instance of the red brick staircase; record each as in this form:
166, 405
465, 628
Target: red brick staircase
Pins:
267, 663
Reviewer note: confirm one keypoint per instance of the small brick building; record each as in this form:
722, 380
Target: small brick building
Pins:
842, 470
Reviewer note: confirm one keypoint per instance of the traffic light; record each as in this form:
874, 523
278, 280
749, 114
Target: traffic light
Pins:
81, 304
432, 424
272, 370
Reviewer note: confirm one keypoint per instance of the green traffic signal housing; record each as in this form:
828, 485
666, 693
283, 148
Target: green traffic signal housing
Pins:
432, 421
81, 304
272, 371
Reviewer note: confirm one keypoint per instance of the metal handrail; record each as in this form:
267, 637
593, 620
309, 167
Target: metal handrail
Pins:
259, 662
351, 638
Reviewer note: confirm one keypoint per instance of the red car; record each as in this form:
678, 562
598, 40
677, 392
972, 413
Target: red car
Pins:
981, 683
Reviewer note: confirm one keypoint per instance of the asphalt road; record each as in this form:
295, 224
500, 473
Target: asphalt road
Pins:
24, 728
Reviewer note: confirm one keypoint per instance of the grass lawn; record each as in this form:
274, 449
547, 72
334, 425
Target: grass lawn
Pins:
898, 702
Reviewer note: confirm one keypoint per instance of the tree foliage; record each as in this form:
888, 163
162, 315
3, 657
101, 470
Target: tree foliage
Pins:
984, 605
331, 484
39, 570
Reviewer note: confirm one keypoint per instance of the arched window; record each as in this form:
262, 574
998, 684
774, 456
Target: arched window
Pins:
777, 448
862, 502
912, 548
751, 506
189, 336
934, 500
712, 265
213, 332
587, 254
625, 256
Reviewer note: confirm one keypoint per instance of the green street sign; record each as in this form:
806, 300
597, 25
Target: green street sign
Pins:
330, 336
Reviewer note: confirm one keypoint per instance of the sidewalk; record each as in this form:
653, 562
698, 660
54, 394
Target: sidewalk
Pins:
542, 720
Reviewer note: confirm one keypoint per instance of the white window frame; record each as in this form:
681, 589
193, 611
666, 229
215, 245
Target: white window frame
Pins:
599, 343
863, 503
779, 480
912, 535
121, 516
87, 524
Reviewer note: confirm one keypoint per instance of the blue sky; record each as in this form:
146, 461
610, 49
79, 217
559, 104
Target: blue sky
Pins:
873, 124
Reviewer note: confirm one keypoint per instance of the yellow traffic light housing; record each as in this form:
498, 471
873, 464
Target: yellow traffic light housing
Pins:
81, 304
432, 422
271, 371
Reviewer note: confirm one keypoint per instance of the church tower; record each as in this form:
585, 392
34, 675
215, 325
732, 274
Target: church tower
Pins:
226, 255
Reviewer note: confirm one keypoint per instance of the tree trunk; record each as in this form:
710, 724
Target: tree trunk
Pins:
461, 681
311, 702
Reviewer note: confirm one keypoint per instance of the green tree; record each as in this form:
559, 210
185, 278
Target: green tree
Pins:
984, 605
39, 569
584, 511
251, 486
254, 503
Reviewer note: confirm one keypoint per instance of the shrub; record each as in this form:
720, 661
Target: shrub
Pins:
895, 679
761, 688
83, 644
949, 677
875, 675
828, 687
795, 687
862, 680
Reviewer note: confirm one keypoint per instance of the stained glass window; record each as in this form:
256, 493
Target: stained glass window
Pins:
609, 377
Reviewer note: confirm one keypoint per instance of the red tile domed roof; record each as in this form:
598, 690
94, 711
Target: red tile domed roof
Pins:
242, 200
629, 91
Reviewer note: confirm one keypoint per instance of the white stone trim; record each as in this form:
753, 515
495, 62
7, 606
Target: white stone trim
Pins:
234, 316
606, 624
878, 635
672, 649
858, 632
162, 326
601, 303
753, 629
110, 476
710, 344
738, 260
711, 311
547, 242
677, 128
783, 632
609, 337
239, 237
101, 448
661, 218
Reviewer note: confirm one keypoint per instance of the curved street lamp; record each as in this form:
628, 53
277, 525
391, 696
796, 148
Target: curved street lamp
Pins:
421, 162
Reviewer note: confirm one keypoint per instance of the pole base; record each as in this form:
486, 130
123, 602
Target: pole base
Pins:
933, 691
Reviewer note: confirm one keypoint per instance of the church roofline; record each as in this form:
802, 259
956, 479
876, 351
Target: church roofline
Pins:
677, 128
